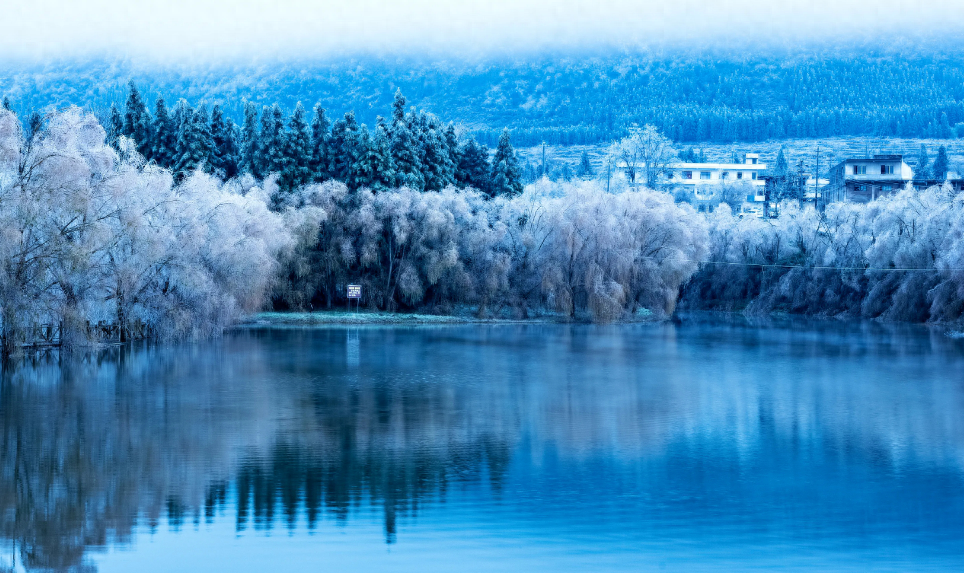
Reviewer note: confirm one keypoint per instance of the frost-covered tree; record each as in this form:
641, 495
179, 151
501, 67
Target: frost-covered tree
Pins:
225, 152
296, 170
473, 167
438, 170
270, 157
921, 170
380, 159
137, 122
941, 164
165, 136
408, 165
319, 145
505, 178
115, 126
361, 169
249, 140
585, 170
193, 141
341, 147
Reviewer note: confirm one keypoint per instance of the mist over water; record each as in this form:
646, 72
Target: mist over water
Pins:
713, 445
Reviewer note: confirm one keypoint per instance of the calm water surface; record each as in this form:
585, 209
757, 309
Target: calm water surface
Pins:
700, 446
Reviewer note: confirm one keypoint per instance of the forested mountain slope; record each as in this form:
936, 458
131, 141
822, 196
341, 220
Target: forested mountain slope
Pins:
561, 100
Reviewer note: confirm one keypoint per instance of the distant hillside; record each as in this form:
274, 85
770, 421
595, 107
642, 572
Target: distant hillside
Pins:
564, 100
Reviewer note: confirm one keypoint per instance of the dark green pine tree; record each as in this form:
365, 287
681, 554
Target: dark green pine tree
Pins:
341, 156
115, 126
781, 166
165, 136
193, 141
6, 104
380, 159
452, 143
319, 145
506, 179
360, 173
296, 170
473, 168
408, 165
398, 108
941, 164
921, 172
224, 145
585, 169
137, 122
271, 148
437, 167
249, 141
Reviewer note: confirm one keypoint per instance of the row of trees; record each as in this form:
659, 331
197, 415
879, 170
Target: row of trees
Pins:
897, 258
411, 149
88, 236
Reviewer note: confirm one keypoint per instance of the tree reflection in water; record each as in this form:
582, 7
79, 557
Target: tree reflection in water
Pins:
289, 427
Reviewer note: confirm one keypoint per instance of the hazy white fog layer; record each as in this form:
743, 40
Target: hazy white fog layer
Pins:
211, 29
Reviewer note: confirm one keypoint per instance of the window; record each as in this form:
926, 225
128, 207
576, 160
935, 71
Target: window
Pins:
753, 175
704, 174
753, 160
886, 188
886, 169
860, 169
687, 175
739, 175
725, 175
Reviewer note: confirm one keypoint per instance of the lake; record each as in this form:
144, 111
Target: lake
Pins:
701, 445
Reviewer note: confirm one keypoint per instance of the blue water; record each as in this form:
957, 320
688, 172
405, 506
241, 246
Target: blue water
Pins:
706, 445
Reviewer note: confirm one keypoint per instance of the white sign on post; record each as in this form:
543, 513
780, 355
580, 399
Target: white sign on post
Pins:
354, 291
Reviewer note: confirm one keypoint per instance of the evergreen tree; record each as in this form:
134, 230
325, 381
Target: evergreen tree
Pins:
137, 122
408, 165
115, 127
193, 141
941, 164
398, 108
585, 169
224, 145
249, 141
361, 170
506, 179
270, 154
781, 166
319, 145
380, 158
165, 136
6, 104
344, 135
473, 168
296, 170
921, 172
437, 166
452, 143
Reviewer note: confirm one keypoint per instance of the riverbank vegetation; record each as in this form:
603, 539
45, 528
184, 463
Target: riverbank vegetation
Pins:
93, 233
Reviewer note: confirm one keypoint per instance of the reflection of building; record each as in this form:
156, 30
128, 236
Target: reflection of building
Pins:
864, 179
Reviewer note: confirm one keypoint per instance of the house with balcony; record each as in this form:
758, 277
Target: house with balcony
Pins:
861, 180
704, 182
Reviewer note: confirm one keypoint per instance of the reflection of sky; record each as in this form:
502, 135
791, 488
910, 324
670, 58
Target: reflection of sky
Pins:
545, 447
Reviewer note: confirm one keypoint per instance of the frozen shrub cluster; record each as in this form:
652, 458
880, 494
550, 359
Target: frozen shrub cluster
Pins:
88, 234
898, 258
570, 248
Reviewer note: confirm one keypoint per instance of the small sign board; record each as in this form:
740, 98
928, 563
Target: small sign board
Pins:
354, 291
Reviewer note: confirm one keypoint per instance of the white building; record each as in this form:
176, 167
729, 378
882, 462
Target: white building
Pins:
698, 174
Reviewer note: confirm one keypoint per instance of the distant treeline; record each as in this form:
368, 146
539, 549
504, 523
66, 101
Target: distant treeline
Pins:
564, 100
411, 149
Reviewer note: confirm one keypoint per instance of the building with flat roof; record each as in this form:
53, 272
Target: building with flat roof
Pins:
861, 180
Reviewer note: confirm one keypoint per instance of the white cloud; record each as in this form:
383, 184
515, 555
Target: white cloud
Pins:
213, 28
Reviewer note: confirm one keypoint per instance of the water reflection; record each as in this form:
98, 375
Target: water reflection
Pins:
803, 430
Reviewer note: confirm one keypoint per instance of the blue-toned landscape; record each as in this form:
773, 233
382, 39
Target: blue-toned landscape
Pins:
487, 285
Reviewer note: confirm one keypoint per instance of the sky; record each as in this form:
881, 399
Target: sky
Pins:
217, 29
